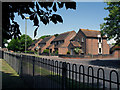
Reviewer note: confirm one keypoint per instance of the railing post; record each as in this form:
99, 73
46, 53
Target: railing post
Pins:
33, 59
64, 75
2, 54
21, 69
33, 65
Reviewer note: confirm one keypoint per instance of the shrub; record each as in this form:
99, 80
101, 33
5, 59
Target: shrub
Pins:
29, 51
77, 50
68, 52
46, 51
56, 52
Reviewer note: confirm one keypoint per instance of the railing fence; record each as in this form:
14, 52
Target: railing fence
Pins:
45, 73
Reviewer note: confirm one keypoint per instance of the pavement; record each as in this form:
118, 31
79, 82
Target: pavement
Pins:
108, 63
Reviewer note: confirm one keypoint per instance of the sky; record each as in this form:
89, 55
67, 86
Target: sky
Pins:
88, 15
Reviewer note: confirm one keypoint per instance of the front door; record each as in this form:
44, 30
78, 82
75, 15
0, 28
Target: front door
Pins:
50, 50
71, 52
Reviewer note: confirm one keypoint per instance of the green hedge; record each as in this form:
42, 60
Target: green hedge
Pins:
46, 51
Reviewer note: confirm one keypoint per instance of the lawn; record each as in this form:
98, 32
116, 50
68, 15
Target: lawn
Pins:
10, 79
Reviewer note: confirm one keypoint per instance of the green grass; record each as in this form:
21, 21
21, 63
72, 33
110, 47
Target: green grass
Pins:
10, 78
58, 78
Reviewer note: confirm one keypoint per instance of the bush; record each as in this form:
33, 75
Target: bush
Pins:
76, 50
29, 51
56, 52
68, 52
46, 51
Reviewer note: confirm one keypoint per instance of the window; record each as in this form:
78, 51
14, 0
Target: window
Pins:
59, 42
100, 52
100, 40
82, 39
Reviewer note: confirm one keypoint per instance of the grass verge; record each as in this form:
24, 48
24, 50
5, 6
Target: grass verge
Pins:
10, 78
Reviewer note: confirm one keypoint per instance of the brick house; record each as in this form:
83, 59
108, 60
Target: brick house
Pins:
34, 45
91, 42
61, 42
45, 43
51, 48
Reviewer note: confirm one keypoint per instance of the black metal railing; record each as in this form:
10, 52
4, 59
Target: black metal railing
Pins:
39, 72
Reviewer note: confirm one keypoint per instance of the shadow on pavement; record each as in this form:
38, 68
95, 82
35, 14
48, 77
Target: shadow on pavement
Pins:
106, 63
9, 81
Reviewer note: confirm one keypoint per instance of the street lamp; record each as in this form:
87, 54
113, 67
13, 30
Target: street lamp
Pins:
26, 33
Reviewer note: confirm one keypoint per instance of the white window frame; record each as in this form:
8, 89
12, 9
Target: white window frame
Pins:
82, 39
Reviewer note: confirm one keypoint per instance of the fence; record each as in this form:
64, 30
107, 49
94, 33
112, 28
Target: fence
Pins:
45, 73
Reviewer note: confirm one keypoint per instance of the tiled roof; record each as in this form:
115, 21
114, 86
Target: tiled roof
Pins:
50, 45
34, 44
75, 44
46, 39
60, 45
35, 41
63, 36
91, 33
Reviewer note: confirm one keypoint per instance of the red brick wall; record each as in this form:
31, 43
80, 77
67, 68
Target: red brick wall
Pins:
119, 54
116, 53
62, 50
105, 47
91, 46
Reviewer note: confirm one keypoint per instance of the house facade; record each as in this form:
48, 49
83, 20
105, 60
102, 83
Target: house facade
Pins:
91, 42
61, 42
45, 43
34, 45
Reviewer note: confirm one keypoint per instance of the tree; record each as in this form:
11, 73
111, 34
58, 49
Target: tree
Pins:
4, 42
18, 44
56, 35
14, 45
22, 42
42, 37
37, 11
112, 25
